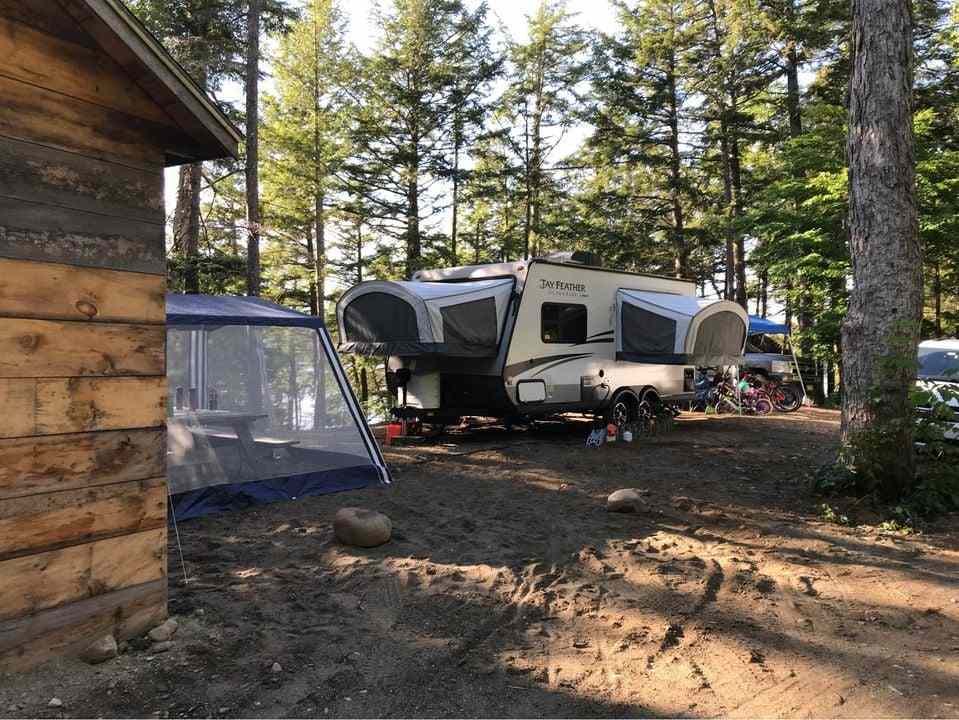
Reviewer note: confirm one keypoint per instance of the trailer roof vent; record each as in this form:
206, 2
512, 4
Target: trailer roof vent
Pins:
576, 257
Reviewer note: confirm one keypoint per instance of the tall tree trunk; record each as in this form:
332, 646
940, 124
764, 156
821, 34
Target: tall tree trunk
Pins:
937, 298
681, 257
536, 171
311, 261
186, 224
739, 247
413, 249
457, 140
359, 250
881, 329
252, 149
730, 285
528, 209
319, 261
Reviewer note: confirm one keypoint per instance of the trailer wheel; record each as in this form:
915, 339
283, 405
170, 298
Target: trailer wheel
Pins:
623, 409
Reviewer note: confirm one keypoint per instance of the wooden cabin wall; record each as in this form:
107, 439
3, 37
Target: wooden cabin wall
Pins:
82, 375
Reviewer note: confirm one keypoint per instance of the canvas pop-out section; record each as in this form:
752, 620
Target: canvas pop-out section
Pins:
258, 409
656, 327
397, 317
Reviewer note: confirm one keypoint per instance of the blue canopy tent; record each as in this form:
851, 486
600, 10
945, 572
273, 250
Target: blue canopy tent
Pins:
758, 325
259, 408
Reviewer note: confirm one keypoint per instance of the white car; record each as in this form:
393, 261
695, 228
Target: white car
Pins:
939, 376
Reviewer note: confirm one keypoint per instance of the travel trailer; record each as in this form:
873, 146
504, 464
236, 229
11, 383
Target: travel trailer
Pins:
541, 337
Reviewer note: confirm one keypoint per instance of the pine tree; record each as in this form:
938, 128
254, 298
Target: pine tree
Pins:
540, 104
306, 138
881, 329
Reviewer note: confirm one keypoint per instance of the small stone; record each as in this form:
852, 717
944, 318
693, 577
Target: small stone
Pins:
276, 668
164, 631
361, 527
55, 702
626, 500
161, 647
100, 650
683, 503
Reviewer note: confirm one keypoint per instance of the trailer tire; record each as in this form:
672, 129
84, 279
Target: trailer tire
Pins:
623, 408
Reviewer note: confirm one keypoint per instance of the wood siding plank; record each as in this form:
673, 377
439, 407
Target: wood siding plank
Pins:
39, 174
47, 348
140, 249
28, 641
36, 14
56, 291
39, 115
41, 523
75, 405
38, 582
18, 400
33, 465
19, 212
66, 67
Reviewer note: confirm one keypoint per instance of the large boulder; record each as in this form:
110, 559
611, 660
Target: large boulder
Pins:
361, 527
625, 500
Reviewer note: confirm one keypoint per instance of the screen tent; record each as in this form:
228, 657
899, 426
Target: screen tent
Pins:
259, 408
408, 318
662, 328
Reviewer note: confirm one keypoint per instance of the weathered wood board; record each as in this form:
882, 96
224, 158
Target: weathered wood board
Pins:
56, 291
37, 582
135, 249
73, 405
34, 13
67, 67
46, 348
66, 630
40, 523
40, 174
44, 116
33, 465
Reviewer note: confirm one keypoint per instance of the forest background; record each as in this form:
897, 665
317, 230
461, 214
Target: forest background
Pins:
699, 138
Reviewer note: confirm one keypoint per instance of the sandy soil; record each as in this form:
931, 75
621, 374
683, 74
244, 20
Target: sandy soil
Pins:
508, 590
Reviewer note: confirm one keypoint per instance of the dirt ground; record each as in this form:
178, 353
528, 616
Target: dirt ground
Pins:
509, 591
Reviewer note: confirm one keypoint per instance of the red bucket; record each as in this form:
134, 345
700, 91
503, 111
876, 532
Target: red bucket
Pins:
393, 430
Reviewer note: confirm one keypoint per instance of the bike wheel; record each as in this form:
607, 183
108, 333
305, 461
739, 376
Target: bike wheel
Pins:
725, 406
762, 405
789, 400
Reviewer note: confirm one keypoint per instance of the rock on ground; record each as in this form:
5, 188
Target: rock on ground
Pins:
161, 647
625, 500
100, 650
361, 527
165, 631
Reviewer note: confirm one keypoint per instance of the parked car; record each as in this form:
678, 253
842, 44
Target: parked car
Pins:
939, 377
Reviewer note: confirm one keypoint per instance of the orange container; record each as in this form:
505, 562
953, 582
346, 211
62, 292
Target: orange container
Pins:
393, 430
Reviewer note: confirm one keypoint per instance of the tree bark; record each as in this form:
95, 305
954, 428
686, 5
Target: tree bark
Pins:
252, 149
413, 250
186, 224
937, 298
319, 260
681, 258
457, 141
881, 329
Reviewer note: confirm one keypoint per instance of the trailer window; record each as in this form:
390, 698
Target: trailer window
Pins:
563, 323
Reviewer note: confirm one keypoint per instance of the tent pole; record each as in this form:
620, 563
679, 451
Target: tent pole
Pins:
802, 382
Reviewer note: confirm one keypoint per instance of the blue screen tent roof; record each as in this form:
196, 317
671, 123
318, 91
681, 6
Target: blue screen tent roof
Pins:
229, 310
759, 325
